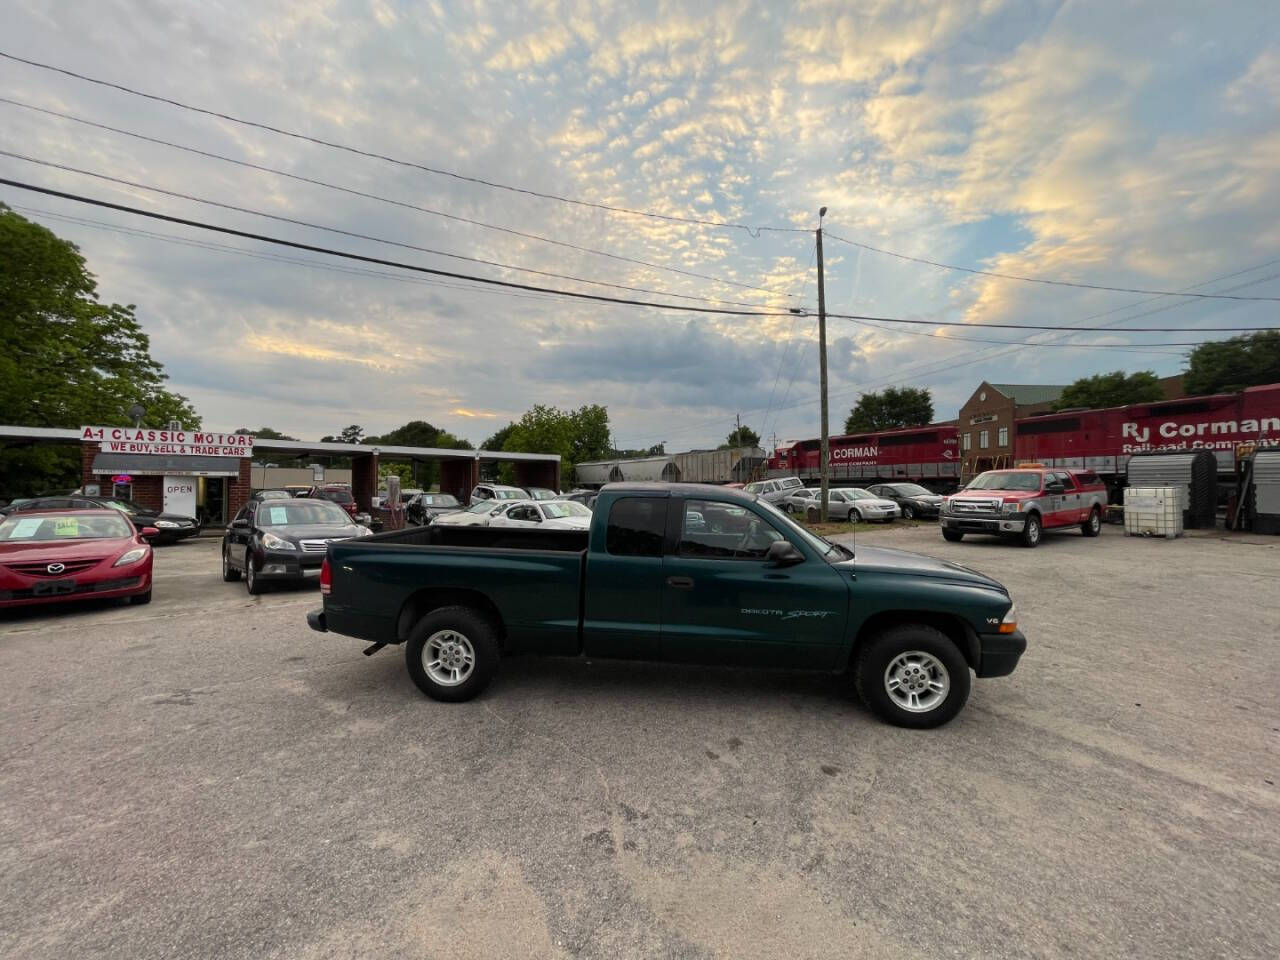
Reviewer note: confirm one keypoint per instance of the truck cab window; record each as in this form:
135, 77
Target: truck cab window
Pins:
724, 531
637, 526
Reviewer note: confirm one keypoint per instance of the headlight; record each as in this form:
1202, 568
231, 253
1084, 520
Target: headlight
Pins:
363, 532
133, 556
272, 542
1014, 507
1010, 621
166, 524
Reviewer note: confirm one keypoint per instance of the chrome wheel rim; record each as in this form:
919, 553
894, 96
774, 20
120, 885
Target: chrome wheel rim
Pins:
249, 580
917, 681
907, 513
225, 565
1095, 521
1033, 530
448, 658
855, 517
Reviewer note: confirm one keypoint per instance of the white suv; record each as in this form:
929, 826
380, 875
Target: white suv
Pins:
775, 491
496, 491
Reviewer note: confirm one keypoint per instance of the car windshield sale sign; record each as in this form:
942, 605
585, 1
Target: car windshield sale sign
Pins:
143, 440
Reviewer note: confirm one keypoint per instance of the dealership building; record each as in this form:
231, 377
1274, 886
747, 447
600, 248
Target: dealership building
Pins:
210, 475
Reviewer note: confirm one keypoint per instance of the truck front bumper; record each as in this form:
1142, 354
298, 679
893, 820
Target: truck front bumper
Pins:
1013, 523
998, 653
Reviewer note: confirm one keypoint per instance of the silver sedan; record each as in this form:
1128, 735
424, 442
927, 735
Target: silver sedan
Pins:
845, 503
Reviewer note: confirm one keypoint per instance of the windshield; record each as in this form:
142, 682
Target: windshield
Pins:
1005, 480
274, 495
71, 526
541, 493
500, 493
855, 494
298, 513
439, 499
482, 506
337, 496
784, 522
911, 490
564, 508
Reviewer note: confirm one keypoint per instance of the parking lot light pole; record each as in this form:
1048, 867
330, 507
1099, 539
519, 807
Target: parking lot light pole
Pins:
823, 450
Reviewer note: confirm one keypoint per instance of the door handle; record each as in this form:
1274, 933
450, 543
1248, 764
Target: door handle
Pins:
680, 583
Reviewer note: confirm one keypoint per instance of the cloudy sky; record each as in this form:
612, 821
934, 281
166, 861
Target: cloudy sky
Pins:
1132, 145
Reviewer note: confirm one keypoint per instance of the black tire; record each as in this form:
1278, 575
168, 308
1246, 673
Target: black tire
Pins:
855, 515
140, 599
952, 536
1032, 532
1093, 526
229, 573
908, 513
875, 657
251, 581
476, 629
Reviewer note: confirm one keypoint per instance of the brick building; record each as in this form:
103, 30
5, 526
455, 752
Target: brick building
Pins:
986, 421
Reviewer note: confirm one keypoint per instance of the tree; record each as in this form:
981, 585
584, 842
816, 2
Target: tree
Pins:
66, 358
1230, 365
267, 433
741, 436
352, 434
418, 433
1114, 389
889, 409
498, 438
577, 435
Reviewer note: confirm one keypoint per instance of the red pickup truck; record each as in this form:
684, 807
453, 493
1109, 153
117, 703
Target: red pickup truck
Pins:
1023, 503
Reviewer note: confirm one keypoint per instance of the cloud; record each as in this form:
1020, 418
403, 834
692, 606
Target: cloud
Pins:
473, 414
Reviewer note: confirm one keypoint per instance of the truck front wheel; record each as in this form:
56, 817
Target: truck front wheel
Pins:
912, 675
452, 653
1032, 530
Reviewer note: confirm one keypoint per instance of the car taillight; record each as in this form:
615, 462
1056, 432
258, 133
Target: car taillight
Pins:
326, 578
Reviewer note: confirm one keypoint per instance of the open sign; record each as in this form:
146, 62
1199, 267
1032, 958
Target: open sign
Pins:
121, 479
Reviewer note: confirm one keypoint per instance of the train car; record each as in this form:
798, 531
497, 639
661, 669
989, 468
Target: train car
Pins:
1103, 440
730, 465
926, 455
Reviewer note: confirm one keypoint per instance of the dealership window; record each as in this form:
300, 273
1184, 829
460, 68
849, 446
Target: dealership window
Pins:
968, 440
1002, 437
983, 437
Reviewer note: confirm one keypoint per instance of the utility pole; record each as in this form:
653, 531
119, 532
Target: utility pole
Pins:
823, 450
737, 433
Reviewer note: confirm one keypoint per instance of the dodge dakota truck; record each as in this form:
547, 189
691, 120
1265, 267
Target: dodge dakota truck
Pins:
1023, 503
677, 573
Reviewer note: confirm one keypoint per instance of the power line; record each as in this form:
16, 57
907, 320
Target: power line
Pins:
358, 236
312, 248
672, 218
399, 203
1055, 283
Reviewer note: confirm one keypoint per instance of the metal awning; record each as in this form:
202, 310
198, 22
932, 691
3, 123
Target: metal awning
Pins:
146, 465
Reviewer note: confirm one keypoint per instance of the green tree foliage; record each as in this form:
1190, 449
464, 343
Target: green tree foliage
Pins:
267, 433
498, 438
1229, 365
889, 409
416, 433
577, 435
1113, 389
742, 436
66, 358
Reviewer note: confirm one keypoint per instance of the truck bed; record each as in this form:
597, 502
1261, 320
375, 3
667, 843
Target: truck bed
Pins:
534, 577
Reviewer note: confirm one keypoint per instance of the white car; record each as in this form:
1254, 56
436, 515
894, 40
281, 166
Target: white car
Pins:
476, 515
844, 503
542, 514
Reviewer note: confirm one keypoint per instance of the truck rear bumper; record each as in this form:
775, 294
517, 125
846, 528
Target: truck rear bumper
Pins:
315, 620
999, 653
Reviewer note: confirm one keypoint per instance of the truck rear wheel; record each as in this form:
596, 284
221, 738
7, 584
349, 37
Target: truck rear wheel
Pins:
912, 675
1093, 526
452, 653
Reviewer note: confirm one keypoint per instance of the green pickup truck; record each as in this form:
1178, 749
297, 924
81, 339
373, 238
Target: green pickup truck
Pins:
676, 573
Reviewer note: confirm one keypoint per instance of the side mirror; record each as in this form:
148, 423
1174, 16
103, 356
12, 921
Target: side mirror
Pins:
1054, 488
783, 553
241, 523
148, 533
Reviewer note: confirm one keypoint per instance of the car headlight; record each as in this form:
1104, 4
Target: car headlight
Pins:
363, 532
1014, 507
166, 524
133, 556
1010, 622
272, 542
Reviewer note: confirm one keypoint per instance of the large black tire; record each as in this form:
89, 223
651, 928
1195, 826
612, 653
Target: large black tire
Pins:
1032, 532
139, 599
1093, 526
448, 624
229, 573
908, 512
855, 515
913, 642
952, 536
251, 581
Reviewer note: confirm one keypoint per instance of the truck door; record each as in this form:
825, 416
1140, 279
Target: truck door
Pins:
622, 603
722, 602
1070, 512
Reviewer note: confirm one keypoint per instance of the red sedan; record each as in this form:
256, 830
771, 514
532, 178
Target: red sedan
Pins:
50, 556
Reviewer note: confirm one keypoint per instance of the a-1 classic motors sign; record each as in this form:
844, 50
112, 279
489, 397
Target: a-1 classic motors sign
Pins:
183, 442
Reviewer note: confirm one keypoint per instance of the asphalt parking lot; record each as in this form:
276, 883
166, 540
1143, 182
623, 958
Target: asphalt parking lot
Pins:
206, 777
